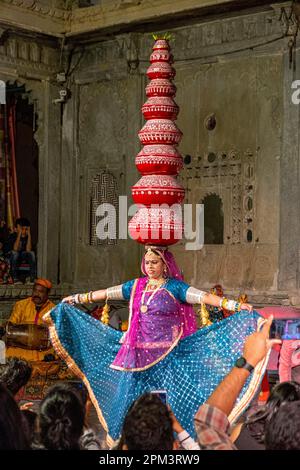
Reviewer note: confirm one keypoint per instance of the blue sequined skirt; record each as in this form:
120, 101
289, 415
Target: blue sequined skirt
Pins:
189, 373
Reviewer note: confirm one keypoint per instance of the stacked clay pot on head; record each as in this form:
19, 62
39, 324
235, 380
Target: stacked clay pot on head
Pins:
159, 161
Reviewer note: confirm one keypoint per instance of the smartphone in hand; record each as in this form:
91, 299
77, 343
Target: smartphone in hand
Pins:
162, 394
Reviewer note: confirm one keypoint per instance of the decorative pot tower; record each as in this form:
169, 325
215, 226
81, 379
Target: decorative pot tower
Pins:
158, 220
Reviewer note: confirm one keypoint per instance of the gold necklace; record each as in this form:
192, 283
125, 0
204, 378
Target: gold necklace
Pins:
144, 306
153, 283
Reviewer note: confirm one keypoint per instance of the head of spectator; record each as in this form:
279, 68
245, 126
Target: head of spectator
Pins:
89, 439
12, 427
22, 224
280, 394
15, 374
81, 391
283, 429
40, 291
148, 425
60, 419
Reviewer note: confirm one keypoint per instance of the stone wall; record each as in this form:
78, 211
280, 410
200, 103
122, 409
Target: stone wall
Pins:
227, 68
236, 68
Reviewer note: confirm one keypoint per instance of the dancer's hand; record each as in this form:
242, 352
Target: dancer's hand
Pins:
69, 300
247, 307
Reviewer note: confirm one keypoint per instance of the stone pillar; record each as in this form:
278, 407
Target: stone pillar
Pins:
49, 186
289, 182
69, 190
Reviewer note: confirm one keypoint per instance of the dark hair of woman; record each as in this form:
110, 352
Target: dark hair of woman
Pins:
282, 393
12, 426
61, 419
15, 373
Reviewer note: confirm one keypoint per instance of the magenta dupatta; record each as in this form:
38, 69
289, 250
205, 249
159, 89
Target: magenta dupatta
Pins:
152, 335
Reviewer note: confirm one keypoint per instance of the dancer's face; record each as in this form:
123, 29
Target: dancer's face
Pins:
154, 266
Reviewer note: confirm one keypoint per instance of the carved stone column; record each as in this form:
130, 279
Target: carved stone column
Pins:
289, 183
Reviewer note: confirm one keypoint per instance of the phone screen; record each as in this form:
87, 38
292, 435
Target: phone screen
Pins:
288, 328
162, 394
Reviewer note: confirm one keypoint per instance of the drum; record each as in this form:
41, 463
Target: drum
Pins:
27, 336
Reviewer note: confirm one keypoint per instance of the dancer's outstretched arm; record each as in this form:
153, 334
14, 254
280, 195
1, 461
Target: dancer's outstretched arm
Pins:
112, 293
89, 297
196, 296
216, 301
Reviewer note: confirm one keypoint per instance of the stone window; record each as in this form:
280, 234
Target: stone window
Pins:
104, 189
213, 220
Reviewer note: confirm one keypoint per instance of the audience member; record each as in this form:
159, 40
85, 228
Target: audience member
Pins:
147, 426
19, 247
88, 440
12, 426
60, 420
250, 435
211, 420
15, 374
283, 429
31, 311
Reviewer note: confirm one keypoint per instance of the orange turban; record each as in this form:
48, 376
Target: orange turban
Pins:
44, 283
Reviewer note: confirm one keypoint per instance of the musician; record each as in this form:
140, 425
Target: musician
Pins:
31, 311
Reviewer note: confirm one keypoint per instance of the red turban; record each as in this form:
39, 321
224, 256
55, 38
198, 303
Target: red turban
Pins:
44, 283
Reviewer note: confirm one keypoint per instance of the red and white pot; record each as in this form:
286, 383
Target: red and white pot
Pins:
160, 226
160, 131
159, 159
157, 189
160, 107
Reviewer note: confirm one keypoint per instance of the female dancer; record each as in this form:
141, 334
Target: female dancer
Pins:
161, 349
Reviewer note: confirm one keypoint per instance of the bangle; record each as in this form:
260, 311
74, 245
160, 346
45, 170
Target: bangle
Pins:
221, 301
77, 298
237, 307
90, 297
81, 298
231, 305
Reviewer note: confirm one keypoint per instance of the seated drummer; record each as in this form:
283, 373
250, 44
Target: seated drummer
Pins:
31, 311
